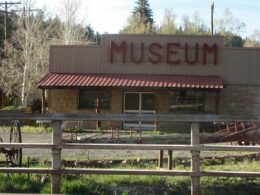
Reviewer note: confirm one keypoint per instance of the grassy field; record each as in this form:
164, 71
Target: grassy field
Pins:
116, 184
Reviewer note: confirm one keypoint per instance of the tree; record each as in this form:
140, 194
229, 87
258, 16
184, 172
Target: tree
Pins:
233, 40
91, 36
229, 24
55, 26
11, 17
230, 27
193, 26
28, 55
141, 20
168, 25
143, 12
72, 31
253, 40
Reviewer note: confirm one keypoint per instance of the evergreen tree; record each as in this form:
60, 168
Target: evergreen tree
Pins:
233, 40
143, 12
141, 20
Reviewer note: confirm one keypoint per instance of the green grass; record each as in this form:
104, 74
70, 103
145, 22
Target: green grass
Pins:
14, 108
19, 183
123, 184
28, 129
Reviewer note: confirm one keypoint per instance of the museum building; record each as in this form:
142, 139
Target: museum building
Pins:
153, 74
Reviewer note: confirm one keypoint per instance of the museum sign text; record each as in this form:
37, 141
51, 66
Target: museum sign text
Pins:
170, 53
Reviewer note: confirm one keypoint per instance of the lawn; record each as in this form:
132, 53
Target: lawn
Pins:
122, 184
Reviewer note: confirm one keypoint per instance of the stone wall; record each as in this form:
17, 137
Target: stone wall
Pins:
240, 100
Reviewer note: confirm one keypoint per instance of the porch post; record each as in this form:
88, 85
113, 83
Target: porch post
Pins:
98, 123
43, 101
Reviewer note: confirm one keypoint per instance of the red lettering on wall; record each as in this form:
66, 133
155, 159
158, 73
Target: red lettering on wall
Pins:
153, 49
154, 53
172, 50
121, 48
141, 58
195, 59
207, 49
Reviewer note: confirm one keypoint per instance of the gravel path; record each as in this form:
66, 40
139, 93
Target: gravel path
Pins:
83, 154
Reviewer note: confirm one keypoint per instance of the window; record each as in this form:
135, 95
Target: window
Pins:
88, 98
187, 101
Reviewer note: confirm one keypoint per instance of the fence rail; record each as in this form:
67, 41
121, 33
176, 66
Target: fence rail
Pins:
131, 147
129, 117
195, 147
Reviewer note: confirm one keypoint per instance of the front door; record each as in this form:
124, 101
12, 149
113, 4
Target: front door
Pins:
139, 103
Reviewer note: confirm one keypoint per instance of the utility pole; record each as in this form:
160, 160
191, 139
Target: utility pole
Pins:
6, 5
212, 13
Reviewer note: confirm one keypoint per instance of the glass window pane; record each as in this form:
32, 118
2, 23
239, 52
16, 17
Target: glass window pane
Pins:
132, 101
87, 99
148, 101
186, 101
105, 99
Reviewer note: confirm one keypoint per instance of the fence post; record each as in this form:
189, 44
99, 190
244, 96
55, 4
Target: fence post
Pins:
160, 159
56, 155
195, 159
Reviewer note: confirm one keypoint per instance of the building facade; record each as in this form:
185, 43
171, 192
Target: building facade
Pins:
153, 74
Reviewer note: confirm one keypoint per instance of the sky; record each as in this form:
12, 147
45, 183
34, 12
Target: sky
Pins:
109, 16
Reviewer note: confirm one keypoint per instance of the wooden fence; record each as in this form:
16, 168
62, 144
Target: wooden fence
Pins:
195, 147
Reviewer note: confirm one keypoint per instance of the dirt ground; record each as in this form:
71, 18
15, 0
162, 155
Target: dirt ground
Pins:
85, 154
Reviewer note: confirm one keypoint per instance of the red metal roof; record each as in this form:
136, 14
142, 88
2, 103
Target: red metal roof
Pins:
56, 80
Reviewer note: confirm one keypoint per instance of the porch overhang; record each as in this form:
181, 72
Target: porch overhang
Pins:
65, 80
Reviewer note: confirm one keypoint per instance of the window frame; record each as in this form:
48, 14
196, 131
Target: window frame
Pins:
194, 110
106, 107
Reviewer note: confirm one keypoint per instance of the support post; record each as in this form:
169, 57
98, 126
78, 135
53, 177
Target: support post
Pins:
112, 133
98, 123
43, 101
195, 159
56, 155
169, 159
160, 160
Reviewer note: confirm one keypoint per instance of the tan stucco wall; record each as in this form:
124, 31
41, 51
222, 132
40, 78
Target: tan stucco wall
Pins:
66, 100
63, 100
233, 99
